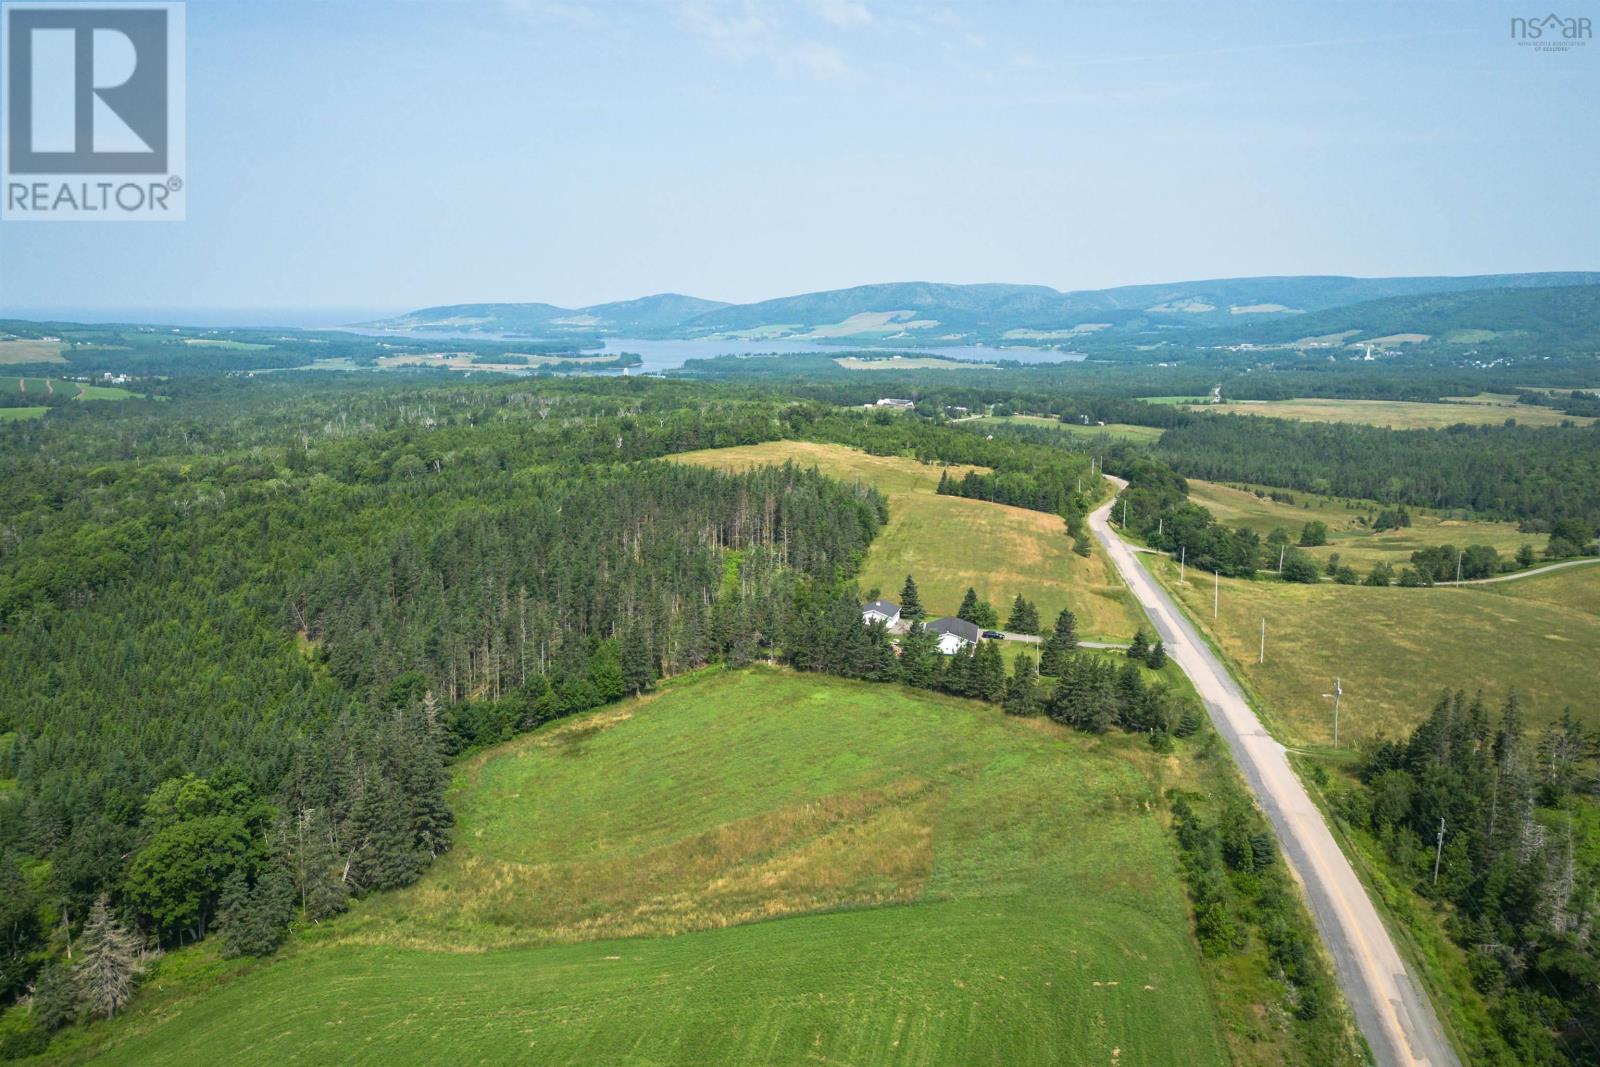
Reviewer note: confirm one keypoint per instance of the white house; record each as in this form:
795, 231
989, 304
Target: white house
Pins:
954, 634
883, 611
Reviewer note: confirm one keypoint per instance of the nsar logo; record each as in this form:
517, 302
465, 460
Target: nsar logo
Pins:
1552, 33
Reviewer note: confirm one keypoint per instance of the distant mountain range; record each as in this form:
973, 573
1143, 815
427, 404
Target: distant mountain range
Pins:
931, 313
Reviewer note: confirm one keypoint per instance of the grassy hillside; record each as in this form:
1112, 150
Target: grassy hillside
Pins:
1358, 545
950, 543
1397, 414
1115, 431
1395, 650
1029, 903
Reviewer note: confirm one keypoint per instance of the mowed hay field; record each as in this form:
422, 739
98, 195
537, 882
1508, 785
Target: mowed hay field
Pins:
935, 884
17, 351
1395, 650
1115, 431
1486, 409
951, 543
1357, 545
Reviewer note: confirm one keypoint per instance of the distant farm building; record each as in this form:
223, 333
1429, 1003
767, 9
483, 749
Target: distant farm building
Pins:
895, 402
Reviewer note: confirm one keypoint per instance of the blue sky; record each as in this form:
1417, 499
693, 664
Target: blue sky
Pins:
389, 155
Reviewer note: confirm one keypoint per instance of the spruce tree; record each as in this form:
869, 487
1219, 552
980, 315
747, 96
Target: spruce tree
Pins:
910, 602
988, 672
1059, 644
969, 607
1157, 657
919, 658
1022, 688
56, 995
108, 962
1024, 617
1139, 648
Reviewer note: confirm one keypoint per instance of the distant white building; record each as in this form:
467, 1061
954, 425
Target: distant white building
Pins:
884, 611
954, 634
895, 402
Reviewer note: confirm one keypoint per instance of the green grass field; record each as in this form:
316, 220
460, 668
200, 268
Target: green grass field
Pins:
854, 874
19, 414
1359, 546
950, 543
1481, 410
1395, 650
1115, 431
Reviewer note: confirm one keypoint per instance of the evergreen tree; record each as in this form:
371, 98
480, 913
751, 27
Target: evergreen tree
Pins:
1139, 648
910, 602
1022, 688
919, 658
426, 778
1157, 657
988, 672
254, 919
56, 995
1024, 617
638, 663
1059, 644
969, 607
1189, 722
313, 865
108, 961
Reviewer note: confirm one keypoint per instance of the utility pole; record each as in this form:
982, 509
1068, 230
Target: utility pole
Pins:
1216, 593
1125, 517
1338, 698
1161, 525
1263, 657
1459, 551
1438, 852
1183, 560
1281, 550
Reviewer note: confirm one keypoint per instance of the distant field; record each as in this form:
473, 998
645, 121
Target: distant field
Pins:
1357, 545
909, 363
72, 390
13, 352
1116, 431
1396, 414
950, 543
232, 346
18, 414
1173, 399
1397, 649
936, 884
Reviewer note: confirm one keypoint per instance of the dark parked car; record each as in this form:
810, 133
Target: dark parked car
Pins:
994, 635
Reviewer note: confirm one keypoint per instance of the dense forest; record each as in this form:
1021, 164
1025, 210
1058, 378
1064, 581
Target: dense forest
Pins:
1536, 476
1497, 826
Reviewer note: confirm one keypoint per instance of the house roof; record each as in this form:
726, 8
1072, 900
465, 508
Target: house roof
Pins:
959, 627
882, 607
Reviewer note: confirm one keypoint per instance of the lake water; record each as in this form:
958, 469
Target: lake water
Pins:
670, 355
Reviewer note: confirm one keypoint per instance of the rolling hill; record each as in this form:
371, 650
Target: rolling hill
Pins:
933, 313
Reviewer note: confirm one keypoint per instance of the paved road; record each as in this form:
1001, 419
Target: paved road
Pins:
1390, 1007
1529, 573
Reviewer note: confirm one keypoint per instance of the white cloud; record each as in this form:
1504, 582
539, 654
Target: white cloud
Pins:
748, 31
844, 13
